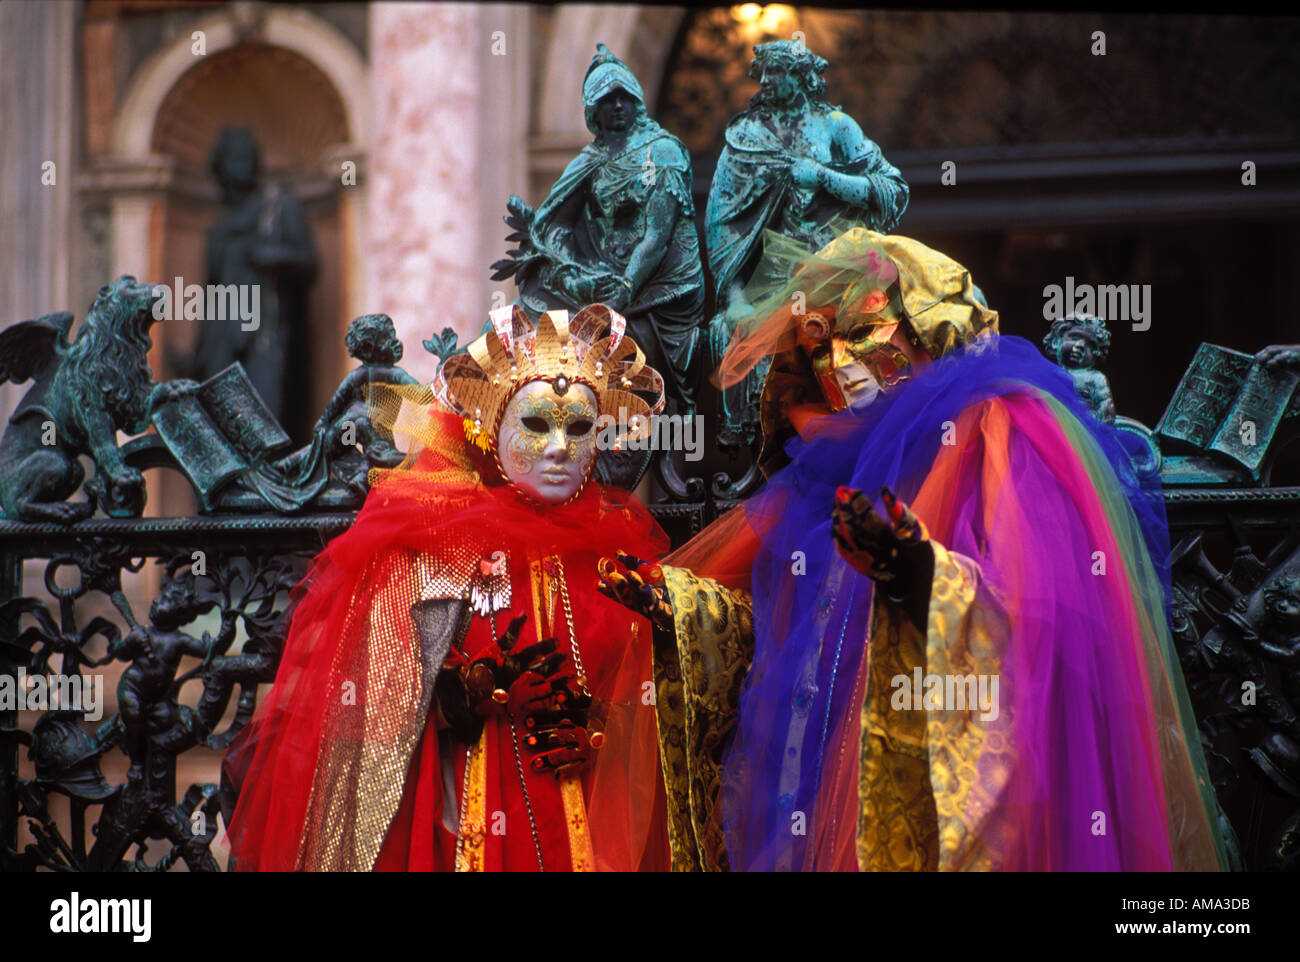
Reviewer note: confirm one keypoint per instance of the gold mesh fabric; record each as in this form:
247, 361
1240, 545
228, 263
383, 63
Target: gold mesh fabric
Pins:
404, 411
697, 695
380, 700
381, 691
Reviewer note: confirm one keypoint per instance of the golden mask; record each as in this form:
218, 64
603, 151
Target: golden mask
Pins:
857, 357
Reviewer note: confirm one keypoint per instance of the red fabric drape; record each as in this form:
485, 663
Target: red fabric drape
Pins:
438, 506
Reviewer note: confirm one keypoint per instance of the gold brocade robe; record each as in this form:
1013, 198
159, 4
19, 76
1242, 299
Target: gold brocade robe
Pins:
698, 673
916, 768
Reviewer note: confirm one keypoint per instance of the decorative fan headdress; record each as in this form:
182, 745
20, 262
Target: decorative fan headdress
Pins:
478, 384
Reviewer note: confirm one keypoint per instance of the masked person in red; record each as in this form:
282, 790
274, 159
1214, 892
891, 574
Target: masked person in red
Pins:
454, 692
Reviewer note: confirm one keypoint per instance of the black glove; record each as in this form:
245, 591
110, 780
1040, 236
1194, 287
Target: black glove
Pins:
638, 586
501, 681
896, 553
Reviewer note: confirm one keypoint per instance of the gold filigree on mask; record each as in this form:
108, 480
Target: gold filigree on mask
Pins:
547, 440
854, 357
544, 421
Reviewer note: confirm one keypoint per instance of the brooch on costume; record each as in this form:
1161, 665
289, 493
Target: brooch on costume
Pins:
465, 574
489, 589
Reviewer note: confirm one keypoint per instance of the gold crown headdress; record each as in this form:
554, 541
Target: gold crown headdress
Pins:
478, 384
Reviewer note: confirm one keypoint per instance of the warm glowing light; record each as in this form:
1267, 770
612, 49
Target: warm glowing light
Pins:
757, 20
775, 16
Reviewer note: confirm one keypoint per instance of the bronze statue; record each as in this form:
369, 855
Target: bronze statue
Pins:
617, 228
152, 724
263, 239
1079, 343
146, 703
792, 164
83, 393
1280, 357
346, 443
330, 471
218, 433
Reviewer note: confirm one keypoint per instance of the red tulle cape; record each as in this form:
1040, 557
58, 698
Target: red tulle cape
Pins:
437, 507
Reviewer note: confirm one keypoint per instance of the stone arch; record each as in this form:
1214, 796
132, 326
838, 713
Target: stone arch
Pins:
295, 30
294, 110
298, 120
160, 195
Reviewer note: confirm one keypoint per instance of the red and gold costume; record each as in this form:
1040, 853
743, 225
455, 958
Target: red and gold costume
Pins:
349, 764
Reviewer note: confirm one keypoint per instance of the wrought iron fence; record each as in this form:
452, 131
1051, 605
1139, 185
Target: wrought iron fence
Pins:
1235, 608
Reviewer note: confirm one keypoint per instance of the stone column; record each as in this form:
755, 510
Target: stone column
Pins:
449, 135
38, 117
38, 113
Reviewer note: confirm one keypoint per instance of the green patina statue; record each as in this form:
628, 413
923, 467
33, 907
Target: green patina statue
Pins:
234, 451
346, 442
1231, 415
617, 229
792, 164
84, 392
1079, 343
220, 433
1281, 357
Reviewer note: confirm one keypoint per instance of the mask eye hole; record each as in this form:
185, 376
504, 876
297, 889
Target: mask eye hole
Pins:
578, 428
859, 332
535, 424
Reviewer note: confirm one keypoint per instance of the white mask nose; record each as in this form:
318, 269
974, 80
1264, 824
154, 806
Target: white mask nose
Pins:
858, 385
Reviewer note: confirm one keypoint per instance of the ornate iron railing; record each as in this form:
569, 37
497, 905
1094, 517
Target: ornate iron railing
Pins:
1232, 548
1235, 610
241, 567
1228, 542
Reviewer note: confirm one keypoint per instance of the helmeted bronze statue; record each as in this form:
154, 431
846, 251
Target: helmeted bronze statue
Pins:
617, 228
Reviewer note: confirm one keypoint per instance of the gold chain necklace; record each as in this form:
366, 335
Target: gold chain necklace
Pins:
573, 635
523, 787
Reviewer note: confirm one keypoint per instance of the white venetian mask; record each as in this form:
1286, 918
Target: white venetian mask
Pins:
546, 445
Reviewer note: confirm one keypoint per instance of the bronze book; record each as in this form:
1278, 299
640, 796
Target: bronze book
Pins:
220, 431
1229, 404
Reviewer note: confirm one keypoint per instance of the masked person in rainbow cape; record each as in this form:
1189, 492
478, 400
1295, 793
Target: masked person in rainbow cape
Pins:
959, 656
454, 693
